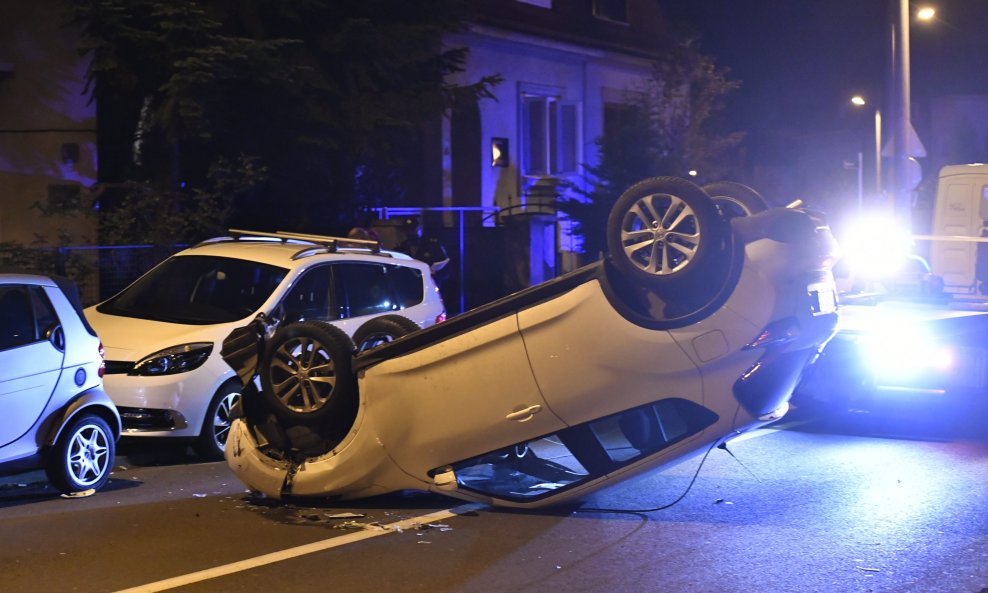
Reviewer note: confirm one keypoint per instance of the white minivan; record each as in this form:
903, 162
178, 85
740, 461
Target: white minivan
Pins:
163, 333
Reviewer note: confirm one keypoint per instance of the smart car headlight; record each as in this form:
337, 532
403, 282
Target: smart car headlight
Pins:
177, 359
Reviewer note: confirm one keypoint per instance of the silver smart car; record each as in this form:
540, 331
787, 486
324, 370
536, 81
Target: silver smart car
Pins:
55, 413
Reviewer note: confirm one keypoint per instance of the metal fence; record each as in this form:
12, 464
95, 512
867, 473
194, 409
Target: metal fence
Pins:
99, 271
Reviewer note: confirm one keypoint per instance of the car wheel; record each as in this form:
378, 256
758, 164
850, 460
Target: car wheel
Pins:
216, 425
382, 330
662, 231
306, 372
735, 199
83, 455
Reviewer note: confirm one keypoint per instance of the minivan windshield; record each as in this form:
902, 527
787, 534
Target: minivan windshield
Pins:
197, 290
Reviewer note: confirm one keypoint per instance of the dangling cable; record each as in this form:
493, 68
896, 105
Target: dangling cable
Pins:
663, 507
731, 453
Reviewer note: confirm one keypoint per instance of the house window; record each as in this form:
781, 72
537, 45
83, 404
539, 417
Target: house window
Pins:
612, 10
63, 197
549, 135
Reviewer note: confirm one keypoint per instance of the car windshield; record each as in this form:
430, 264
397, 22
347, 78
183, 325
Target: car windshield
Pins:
197, 290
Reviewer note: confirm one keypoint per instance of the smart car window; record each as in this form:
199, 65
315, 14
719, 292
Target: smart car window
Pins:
17, 326
44, 312
537, 468
364, 288
198, 290
309, 298
407, 283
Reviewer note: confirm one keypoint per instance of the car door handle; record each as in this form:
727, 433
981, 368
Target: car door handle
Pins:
524, 415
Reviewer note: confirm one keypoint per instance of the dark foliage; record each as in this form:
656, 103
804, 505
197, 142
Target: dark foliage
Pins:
316, 106
665, 128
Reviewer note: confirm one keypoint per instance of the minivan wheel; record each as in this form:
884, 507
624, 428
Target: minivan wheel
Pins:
216, 425
382, 330
306, 373
83, 455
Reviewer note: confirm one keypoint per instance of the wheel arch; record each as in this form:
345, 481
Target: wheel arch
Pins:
94, 401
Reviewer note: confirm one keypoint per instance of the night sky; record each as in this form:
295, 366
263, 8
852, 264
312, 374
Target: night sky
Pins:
800, 61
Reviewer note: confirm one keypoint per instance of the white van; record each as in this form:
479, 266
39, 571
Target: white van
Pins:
959, 216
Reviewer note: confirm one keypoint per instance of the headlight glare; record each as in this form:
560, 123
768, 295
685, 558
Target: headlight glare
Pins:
177, 359
905, 352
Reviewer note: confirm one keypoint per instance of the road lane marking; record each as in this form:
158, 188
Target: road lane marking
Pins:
319, 546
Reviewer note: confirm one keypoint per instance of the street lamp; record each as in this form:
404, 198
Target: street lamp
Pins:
859, 101
926, 13
901, 127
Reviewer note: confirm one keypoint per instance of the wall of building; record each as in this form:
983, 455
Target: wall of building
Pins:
577, 74
47, 124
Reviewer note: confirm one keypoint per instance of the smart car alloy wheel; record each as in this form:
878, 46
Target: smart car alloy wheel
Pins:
83, 456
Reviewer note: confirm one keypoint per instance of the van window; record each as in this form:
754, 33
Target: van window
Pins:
407, 283
197, 290
364, 288
310, 298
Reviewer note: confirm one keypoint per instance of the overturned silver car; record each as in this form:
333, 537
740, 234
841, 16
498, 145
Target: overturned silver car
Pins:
694, 329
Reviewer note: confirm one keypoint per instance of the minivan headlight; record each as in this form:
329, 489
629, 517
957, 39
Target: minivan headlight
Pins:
177, 359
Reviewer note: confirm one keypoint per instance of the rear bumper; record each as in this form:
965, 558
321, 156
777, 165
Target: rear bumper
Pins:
769, 383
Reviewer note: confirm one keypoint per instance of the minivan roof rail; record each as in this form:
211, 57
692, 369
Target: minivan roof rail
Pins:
332, 243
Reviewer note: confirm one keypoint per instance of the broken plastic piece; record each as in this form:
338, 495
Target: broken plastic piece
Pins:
445, 480
80, 494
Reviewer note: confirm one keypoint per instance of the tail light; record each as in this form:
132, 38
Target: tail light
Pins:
441, 317
777, 332
102, 361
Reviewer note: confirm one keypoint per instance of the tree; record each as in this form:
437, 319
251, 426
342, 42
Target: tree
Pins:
664, 128
308, 103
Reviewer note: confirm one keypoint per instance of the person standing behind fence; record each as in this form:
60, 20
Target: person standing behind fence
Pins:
424, 248
363, 234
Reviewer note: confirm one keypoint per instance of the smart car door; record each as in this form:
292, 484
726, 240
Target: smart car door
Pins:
31, 352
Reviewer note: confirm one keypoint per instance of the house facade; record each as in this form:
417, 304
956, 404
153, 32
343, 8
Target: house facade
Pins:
47, 126
567, 66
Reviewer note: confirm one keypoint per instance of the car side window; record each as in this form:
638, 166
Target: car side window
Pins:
408, 287
310, 298
536, 469
44, 312
364, 288
17, 325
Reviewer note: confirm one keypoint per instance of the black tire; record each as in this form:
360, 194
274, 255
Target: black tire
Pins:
216, 425
82, 458
306, 372
382, 330
735, 199
663, 231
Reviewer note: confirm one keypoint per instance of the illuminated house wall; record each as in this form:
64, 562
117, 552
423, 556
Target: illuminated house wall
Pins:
47, 126
562, 62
